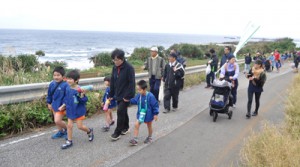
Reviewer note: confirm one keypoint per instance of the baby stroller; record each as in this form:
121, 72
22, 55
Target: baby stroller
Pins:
221, 99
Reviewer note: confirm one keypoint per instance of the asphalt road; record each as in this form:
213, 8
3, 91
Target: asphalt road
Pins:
187, 137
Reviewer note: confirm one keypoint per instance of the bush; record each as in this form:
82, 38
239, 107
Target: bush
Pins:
40, 53
283, 45
188, 50
25, 62
102, 59
143, 53
55, 64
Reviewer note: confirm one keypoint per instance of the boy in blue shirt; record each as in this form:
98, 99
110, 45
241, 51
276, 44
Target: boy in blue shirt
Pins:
55, 96
74, 103
148, 110
111, 106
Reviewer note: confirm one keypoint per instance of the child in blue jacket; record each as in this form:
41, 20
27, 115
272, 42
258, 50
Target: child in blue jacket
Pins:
55, 96
112, 105
74, 103
148, 110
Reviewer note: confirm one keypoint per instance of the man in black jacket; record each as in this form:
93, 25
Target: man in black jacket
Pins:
122, 89
173, 74
213, 62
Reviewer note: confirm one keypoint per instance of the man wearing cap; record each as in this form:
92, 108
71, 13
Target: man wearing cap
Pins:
231, 72
173, 73
155, 66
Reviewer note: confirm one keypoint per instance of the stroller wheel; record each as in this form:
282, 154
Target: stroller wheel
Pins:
229, 114
215, 116
211, 112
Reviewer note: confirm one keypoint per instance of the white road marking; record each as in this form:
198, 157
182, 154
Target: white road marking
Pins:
26, 138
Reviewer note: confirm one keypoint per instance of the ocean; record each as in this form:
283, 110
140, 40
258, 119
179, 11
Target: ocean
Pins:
75, 47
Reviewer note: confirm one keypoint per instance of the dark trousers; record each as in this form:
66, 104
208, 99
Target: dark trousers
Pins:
123, 119
250, 98
210, 78
168, 94
234, 91
154, 86
296, 64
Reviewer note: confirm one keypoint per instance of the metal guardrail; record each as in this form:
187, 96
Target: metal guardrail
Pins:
30, 92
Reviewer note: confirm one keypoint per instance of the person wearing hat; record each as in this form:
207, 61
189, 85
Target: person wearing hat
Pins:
173, 73
231, 72
155, 66
257, 78
272, 59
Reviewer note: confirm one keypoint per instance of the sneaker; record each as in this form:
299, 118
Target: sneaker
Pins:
115, 137
166, 111
148, 140
254, 113
112, 123
233, 105
124, 132
67, 144
91, 134
133, 142
105, 128
206, 87
59, 134
174, 109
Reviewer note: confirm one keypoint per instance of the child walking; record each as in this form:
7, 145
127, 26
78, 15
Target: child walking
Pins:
55, 96
148, 110
74, 103
110, 106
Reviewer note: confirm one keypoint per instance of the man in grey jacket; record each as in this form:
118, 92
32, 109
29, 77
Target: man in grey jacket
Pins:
155, 66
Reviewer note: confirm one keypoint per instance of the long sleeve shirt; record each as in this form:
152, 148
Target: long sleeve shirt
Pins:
230, 68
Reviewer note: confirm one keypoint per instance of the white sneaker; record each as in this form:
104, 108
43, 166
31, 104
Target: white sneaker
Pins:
234, 106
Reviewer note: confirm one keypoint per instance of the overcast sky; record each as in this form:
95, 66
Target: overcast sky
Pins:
278, 18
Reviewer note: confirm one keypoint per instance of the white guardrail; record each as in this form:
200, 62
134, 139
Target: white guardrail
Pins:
30, 92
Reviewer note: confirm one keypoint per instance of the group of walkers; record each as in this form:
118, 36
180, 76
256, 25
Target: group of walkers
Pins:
166, 79
66, 97
229, 70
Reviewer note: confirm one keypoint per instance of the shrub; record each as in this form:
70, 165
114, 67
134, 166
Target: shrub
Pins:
40, 53
143, 53
188, 50
102, 59
55, 64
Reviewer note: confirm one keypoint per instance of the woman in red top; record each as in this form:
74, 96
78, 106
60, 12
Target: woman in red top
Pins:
277, 59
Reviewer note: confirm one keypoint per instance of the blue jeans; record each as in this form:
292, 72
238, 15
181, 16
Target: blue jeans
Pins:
154, 86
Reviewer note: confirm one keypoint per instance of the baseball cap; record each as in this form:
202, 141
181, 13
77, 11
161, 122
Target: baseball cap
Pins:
173, 55
154, 49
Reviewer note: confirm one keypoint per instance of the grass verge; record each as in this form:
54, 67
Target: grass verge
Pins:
275, 146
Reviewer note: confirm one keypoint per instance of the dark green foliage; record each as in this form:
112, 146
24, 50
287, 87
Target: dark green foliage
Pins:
40, 53
55, 64
188, 50
102, 59
283, 45
24, 62
140, 54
